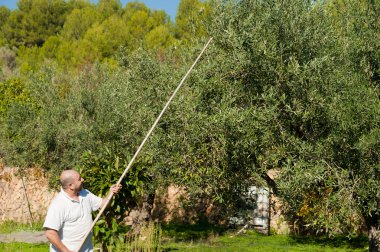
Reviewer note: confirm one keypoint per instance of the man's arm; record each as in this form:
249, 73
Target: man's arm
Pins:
54, 239
104, 202
114, 189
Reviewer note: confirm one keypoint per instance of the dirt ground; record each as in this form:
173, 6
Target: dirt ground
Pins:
24, 236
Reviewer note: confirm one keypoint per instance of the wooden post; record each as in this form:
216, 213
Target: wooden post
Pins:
27, 200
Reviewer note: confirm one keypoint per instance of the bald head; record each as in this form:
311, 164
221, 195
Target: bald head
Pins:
68, 177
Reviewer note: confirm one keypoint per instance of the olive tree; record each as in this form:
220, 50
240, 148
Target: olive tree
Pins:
291, 59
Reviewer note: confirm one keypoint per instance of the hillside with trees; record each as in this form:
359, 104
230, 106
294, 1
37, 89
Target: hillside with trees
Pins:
291, 86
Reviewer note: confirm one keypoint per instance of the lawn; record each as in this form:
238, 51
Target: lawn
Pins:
207, 238
13, 227
253, 241
23, 247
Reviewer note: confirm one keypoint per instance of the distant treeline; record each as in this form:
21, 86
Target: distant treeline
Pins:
77, 32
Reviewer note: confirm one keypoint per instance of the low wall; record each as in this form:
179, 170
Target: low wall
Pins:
14, 206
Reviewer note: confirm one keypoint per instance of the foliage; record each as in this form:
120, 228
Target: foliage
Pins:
78, 22
99, 173
159, 38
362, 33
4, 15
109, 8
291, 62
98, 109
78, 33
17, 107
191, 19
287, 85
7, 62
98, 36
34, 21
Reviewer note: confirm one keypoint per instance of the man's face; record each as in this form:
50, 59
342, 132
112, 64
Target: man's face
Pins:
77, 183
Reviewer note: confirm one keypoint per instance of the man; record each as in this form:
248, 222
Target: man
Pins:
70, 214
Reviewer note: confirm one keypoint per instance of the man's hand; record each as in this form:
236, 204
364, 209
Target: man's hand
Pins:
115, 188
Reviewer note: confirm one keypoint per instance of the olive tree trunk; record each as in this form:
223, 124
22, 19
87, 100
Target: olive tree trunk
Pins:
374, 239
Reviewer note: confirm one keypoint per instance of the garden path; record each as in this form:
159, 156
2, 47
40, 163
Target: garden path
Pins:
24, 236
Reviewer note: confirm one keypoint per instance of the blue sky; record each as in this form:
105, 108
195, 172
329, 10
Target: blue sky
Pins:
169, 6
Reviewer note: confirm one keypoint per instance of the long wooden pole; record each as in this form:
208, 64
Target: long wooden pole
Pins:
110, 195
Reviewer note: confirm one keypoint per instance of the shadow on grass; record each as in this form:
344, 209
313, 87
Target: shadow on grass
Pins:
191, 232
336, 241
199, 236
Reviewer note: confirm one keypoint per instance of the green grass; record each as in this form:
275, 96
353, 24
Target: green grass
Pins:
191, 232
253, 241
11, 227
210, 238
23, 247
250, 241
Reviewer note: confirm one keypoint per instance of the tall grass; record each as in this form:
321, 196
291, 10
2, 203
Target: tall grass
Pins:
11, 227
147, 240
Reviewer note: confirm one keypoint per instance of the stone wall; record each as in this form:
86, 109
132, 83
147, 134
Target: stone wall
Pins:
13, 197
14, 206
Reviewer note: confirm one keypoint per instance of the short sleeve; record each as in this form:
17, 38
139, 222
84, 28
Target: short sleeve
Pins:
54, 217
95, 201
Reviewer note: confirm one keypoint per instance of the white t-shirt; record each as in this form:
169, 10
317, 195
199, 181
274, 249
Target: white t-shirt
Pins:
72, 219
